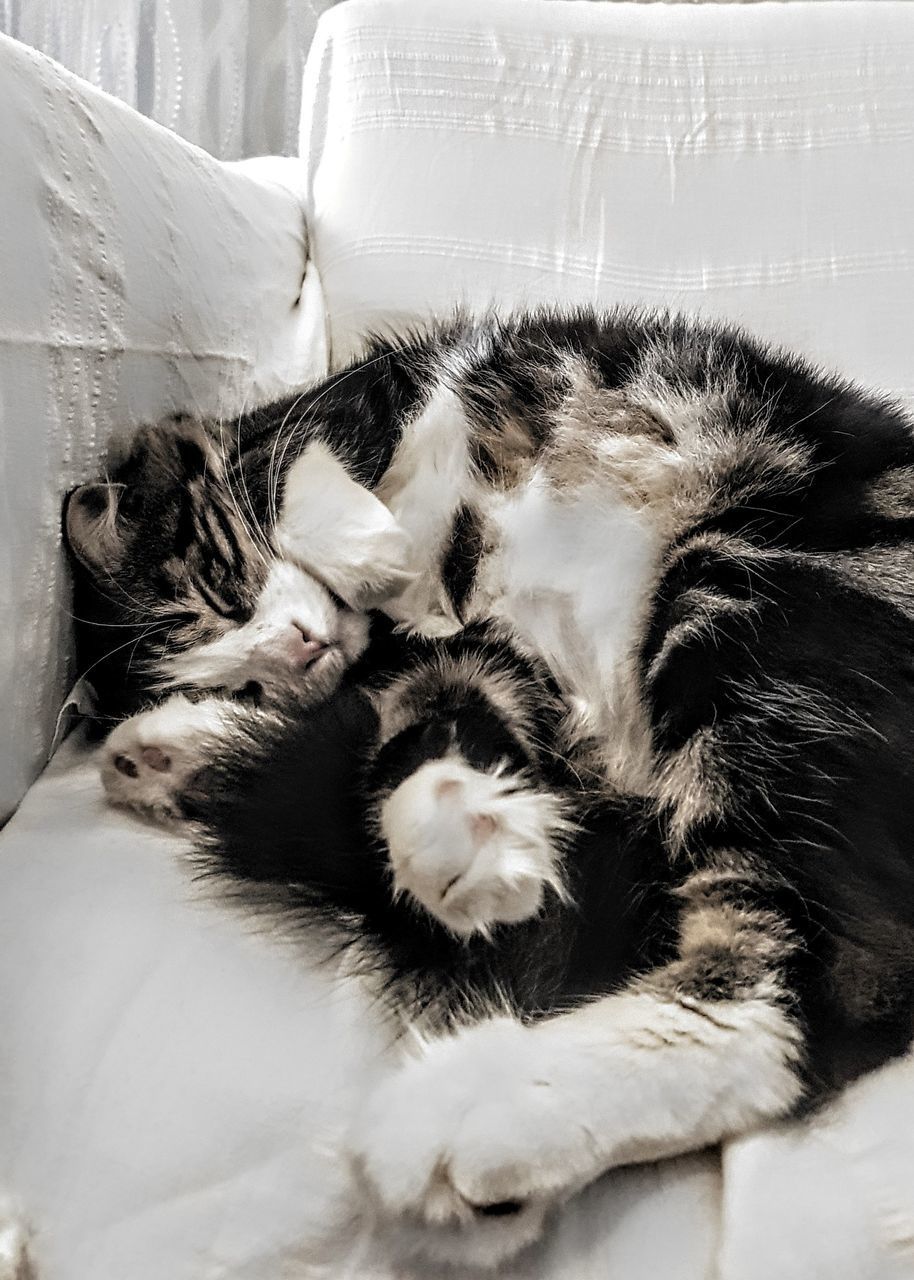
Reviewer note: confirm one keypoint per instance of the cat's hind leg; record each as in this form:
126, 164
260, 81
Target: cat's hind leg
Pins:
148, 762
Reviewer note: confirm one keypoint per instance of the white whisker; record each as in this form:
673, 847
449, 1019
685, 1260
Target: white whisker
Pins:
134, 640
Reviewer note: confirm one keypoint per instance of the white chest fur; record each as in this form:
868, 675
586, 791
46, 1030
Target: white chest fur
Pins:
425, 486
573, 574
572, 570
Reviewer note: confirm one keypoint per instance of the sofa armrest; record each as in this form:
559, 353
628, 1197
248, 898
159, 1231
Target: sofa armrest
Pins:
140, 277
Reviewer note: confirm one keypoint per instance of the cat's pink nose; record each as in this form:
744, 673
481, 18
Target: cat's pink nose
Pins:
302, 647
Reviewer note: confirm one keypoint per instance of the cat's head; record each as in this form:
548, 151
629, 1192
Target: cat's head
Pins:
178, 586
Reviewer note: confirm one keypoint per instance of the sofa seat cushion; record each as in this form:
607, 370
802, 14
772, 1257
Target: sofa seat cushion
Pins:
177, 1078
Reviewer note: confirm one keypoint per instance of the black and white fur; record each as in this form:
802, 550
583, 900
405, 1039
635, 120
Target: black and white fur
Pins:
178, 585
697, 557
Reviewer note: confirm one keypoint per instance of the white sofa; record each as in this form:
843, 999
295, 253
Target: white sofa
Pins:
173, 1080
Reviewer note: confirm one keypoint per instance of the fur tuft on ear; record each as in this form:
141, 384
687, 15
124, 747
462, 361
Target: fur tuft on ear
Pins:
91, 525
175, 452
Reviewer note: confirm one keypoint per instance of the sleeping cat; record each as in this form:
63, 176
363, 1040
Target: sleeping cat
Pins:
675, 560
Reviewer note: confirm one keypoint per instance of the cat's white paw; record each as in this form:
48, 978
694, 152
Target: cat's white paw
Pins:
147, 760
465, 1149
475, 849
341, 533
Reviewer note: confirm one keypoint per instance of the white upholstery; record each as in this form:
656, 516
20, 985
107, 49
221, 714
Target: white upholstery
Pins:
164, 1075
174, 1085
751, 161
139, 277
173, 1081
830, 1197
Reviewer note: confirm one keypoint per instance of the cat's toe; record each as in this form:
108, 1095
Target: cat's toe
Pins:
466, 1149
475, 849
482, 1243
147, 757
140, 777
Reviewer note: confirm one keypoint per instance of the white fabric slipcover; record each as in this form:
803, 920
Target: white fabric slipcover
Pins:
172, 1080
755, 162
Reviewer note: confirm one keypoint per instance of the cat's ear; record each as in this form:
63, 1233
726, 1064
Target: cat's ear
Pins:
93, 531
177, 452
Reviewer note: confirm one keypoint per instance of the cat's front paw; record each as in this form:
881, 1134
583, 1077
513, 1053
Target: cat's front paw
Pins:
475, 849
341, 533
466, 1149
148, 760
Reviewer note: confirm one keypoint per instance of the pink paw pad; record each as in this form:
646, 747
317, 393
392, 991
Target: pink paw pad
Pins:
152, 757
155, 758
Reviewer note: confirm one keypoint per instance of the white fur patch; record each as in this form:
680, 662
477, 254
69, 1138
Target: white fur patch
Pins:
339, 530
574, 574
259, 649
425, 486
475, 849
509, 1114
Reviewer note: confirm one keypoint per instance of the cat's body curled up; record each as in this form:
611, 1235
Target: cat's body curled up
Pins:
651, 742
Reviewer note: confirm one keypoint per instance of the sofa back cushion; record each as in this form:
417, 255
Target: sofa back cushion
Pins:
750, 161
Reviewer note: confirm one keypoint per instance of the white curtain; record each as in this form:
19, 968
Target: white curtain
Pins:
225, 74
